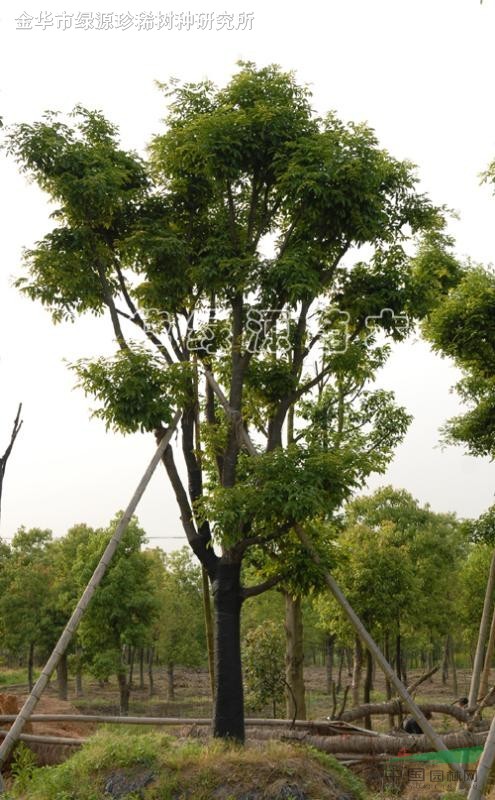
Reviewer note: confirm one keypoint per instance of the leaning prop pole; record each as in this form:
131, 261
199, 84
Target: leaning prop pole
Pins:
60, 648
418, 715
484, 766
483, 631
370, 643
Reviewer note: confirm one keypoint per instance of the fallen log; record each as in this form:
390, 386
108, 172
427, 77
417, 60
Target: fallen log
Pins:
321, 727
379, 745
38, 739
396, 707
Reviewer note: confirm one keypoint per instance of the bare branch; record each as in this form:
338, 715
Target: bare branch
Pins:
254, 591
3, 459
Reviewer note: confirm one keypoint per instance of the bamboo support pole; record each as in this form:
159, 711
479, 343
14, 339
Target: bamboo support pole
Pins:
65, 639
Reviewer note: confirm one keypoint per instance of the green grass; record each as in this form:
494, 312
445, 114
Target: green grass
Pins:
185, 769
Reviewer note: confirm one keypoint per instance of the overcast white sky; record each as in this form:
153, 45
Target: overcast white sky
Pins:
421, 73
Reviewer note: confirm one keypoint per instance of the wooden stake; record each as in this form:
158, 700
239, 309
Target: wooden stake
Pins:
60, 648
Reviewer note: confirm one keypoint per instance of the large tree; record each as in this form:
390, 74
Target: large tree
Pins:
224, 252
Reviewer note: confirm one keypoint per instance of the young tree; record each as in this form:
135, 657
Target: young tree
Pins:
122, 610
180, 632
27, 582
225, 255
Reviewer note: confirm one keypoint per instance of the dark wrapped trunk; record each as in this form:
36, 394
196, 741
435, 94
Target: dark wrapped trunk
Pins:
228, 718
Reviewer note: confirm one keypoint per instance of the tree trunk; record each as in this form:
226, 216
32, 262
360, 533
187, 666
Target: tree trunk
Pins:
62, 678
341, 667
388, 685
367, 687
446, 661
31, 666
151, 654
141, 668
398, 655
131, 664
228, 715
125, 693
455, 686
79, 672
170, 682
485, 676
330, 646
295, 702
480, 648
79, 683
357, 670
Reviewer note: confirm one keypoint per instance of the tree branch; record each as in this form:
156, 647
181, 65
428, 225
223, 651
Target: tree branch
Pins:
254, 591
3, 459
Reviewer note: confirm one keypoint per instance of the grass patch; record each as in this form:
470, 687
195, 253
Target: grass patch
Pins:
158, 767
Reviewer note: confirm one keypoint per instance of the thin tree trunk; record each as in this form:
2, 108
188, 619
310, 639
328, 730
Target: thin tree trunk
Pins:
228, 714
62, 678
170, 682
131, 653
125, 693
446, 660
367, 687
388, 686
330, 647
141, 668
341, 667
79, 672
151, 655
398, 655
455, 686
480, 648
295, 701
357, 670
485, 676
30, 666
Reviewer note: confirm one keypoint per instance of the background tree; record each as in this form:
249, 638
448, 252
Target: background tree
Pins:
27, 581
179, 625
122, 609
249, 202
263, 650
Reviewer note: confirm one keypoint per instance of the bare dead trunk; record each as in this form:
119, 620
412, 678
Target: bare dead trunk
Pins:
295, 700
3, 459
357, 670
62, 678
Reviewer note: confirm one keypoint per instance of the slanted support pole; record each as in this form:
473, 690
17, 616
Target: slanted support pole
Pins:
370, 643
61, 647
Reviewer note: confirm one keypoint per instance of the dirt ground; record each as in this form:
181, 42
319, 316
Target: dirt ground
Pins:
192, 699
